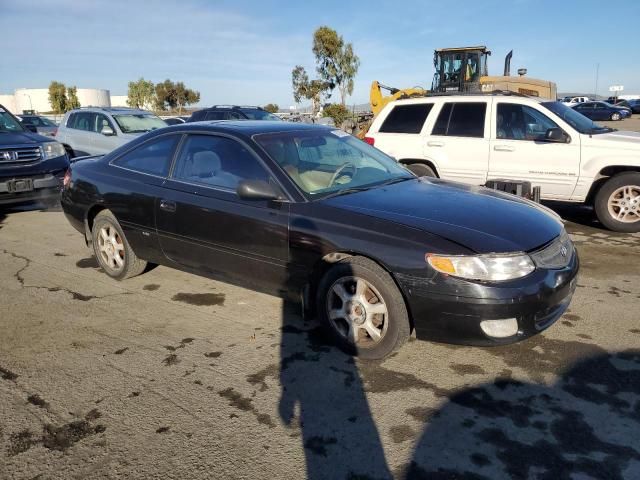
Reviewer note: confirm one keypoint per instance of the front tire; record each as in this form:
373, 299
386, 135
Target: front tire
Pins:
615, 116
617, 203
363, 309
111, 248
421, 170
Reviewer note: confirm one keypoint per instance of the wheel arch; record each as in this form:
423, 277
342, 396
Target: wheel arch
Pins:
424, 161
323, 264
92, 212
605, 174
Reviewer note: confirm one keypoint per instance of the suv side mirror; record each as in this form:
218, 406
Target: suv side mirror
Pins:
107, 131
556, 135
256, 190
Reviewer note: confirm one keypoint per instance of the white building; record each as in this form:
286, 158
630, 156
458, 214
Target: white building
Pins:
38, 99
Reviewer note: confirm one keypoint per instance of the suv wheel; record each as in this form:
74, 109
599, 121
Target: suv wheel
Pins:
617, 203
112, 250
363, 309
421, 170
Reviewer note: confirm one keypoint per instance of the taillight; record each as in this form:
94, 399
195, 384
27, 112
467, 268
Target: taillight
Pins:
67, 178
370, 140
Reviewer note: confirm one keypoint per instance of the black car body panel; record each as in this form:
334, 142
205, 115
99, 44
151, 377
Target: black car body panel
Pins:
24, 173
281, 246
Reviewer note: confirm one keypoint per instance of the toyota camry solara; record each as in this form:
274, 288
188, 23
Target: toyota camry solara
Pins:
312, 213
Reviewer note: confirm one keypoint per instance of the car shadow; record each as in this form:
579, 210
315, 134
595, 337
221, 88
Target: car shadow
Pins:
578, 214
586, 425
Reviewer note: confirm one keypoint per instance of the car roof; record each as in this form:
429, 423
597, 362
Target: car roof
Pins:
465, 97
246, 127
113, 110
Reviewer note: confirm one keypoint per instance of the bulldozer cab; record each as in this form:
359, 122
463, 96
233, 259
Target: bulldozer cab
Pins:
459, 69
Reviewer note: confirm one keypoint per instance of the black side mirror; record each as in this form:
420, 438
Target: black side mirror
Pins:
256, 190
556, 135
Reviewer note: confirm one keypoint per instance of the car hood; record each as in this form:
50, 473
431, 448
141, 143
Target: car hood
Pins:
22, 138
619, 140
480, 219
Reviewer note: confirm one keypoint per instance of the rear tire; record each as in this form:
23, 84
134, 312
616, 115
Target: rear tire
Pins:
112, 250
357, 295
421, 170
617, 203
615, 117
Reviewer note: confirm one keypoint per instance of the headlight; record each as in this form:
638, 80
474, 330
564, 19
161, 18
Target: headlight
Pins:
52, 150
483, 267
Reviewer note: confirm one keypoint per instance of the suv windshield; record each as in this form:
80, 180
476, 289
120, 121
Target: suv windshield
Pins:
575, 119
330, 162
8, 123
257, 114
138, 123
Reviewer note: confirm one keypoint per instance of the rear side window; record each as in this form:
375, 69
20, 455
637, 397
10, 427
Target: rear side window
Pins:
153, 157
463, 119
82, 121
406, 118
216, 115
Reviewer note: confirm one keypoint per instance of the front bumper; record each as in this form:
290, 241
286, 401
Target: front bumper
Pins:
45, 186
450, 310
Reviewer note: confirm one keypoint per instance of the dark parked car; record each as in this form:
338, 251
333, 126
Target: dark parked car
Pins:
602, 111
232, 112
633, 105
42, 125
31, 166
305, 209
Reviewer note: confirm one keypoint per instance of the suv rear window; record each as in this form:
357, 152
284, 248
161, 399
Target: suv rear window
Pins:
406, 118
462, 119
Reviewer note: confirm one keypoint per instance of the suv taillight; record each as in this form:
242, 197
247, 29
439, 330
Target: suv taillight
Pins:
370, 140
66, 181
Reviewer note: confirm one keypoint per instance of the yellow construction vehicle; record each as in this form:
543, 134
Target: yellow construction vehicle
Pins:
465, 70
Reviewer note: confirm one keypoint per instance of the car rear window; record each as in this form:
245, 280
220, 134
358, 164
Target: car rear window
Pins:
406, 118
461, 119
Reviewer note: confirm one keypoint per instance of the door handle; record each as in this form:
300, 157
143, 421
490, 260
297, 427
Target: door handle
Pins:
168, 206
503, 148
433, 143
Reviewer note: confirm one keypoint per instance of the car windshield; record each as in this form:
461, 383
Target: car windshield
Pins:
8, 123
330, 162
257, 114
578, 121
139, 123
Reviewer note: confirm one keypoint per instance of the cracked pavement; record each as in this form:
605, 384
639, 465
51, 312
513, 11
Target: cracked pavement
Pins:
170, 375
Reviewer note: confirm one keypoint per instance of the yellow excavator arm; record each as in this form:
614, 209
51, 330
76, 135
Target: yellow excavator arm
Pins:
378, 101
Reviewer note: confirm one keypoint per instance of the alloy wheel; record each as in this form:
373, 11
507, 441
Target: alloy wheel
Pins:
624, 204
111, 248
357, 311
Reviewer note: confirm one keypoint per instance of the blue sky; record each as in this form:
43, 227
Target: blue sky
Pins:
244, 51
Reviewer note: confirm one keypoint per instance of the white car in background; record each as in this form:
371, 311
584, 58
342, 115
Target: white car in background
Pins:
572, 101
475, 139
99, 130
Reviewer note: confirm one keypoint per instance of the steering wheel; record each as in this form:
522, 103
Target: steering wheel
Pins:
339, 171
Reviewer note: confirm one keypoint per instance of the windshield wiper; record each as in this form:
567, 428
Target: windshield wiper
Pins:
391, 181
347, 191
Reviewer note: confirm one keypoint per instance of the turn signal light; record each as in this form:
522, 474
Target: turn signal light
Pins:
370, 140
66, 181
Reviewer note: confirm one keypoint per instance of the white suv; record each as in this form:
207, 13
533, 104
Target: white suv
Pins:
98, 130
477, 138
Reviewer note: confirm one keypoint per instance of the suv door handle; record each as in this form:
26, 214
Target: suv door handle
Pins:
503, 148
433, 143
168, 206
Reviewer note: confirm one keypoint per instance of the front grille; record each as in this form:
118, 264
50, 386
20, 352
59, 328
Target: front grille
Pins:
557, 254
20, 154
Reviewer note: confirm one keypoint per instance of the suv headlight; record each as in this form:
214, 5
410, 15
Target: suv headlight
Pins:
52, 150
494, 267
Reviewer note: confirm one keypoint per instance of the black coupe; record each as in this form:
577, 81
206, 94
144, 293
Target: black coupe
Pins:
311, 212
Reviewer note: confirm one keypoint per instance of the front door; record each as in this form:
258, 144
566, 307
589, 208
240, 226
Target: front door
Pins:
519, 151
203, 225
104, 143
459, 142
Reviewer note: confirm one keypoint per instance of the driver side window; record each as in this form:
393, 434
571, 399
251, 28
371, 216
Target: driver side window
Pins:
519, 122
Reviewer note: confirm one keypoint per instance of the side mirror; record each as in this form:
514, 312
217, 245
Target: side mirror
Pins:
31, 128
107, 131
256, 190
556, 135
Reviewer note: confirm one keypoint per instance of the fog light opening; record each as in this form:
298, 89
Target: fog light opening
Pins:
506, 327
